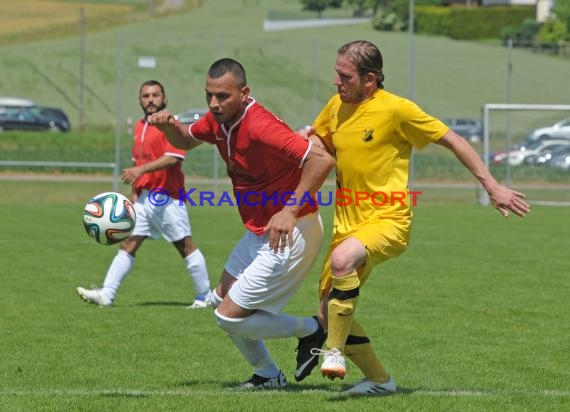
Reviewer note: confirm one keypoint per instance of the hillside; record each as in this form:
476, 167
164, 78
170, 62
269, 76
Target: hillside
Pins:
290, 72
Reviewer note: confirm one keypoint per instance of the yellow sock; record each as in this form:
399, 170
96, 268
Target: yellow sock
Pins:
342, 300
359, 350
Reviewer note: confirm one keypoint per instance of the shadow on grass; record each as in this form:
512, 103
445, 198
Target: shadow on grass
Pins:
121, 394
230, 386
338, 397
332, 394
162, 304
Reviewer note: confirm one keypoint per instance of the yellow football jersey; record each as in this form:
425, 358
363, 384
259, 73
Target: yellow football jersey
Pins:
373, 143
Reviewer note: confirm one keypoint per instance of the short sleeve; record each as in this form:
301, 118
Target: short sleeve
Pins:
203, 130
418, 127
322, 124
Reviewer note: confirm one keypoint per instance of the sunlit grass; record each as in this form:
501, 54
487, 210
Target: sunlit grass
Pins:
473, 316
25, 19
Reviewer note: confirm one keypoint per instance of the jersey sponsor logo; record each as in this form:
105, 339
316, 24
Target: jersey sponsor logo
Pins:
368, 135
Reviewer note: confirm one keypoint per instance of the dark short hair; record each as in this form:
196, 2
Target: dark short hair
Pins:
227, 65
366, 57
153, 83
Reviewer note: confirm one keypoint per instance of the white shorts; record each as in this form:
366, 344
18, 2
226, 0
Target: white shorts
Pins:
169, 220
267, 280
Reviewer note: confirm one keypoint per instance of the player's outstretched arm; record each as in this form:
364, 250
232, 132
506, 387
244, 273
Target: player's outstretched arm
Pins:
131, 174
503, 199
176, 132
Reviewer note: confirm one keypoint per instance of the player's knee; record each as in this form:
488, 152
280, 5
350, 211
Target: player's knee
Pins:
342, 263
231, 326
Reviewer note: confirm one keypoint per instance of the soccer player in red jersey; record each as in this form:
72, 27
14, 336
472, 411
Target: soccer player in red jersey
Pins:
156, 171
274, 172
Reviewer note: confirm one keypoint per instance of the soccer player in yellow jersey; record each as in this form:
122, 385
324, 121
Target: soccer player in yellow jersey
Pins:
372, 132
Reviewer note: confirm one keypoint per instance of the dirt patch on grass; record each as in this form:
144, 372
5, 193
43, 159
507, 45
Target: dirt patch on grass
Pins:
29, 20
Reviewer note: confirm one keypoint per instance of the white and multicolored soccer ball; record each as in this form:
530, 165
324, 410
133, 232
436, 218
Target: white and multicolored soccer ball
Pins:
109, 218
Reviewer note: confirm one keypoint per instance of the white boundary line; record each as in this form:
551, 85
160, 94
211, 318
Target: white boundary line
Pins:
548, 393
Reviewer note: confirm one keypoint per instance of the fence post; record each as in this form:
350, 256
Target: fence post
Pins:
118, 114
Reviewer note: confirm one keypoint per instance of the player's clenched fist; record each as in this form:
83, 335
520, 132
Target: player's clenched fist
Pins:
162, 119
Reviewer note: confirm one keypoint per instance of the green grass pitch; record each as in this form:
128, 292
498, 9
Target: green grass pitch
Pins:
473, 317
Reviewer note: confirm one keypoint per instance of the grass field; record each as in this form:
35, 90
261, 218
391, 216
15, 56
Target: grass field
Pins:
473, 317
26, 20
31, 20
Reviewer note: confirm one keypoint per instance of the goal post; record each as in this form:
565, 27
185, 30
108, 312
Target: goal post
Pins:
508, 108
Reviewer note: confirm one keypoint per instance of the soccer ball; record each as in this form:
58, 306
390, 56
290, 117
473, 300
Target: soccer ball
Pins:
109, 218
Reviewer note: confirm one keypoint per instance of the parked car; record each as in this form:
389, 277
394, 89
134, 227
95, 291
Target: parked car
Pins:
501, 155
13, 103
56, 114
546, 157
471, 129
528, 153
24, 114
560, 130
28, 119
191, 115
561, 161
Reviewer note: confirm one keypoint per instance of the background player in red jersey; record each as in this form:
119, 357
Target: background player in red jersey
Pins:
265, 158
156, 171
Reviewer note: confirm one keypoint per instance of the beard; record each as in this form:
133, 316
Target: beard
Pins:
153, 110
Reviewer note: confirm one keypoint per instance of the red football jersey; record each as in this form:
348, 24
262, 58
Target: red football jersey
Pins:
150, 144
264, 159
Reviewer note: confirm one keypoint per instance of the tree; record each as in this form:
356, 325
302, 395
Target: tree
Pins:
362, 5
552, 31
316, 5
359, 7
561, 10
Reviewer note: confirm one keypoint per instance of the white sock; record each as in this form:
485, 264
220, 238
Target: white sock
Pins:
120, 267
215, 300
256, 353
196, 265
265, 325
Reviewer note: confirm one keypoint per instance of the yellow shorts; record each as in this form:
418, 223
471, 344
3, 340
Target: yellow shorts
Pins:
383, 240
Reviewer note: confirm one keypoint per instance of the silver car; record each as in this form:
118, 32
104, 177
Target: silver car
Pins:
528, 153
560, 130
470, 129
191, 115
560, 160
